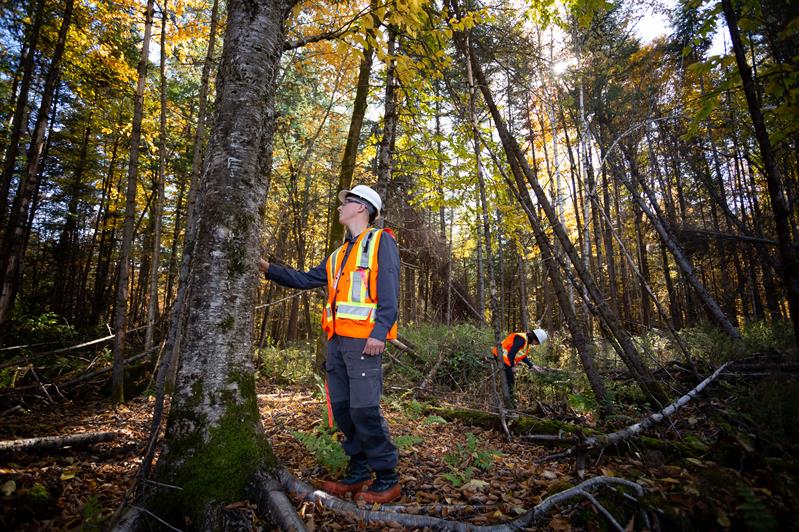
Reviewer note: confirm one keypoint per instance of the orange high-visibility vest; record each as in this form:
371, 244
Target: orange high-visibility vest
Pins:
352, 289
507, 343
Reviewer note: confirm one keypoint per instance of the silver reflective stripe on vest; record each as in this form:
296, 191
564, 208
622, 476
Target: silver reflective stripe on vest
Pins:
355, 311
359, 279
365, 255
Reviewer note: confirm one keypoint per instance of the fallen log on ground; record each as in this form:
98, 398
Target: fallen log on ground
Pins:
605, 440
48, 443
386, 514
527, 425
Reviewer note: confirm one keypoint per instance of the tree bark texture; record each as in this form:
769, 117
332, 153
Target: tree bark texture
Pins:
215, 441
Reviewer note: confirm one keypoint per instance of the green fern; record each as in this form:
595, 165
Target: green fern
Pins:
755, 514
325, 449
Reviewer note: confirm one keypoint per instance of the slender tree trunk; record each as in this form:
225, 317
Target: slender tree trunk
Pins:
152, 307
507, 398
385, 154
120, 320
18, 123
353, 139
776, 188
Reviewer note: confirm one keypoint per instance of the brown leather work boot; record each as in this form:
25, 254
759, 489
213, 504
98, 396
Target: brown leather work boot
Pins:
341, 488
384, 490
358, 476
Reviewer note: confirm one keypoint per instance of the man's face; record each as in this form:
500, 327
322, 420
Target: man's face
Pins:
349, 210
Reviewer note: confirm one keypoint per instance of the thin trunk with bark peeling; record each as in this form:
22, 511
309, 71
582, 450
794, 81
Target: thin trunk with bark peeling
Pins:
152, 300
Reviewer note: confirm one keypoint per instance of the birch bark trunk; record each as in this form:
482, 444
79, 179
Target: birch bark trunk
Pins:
215, 441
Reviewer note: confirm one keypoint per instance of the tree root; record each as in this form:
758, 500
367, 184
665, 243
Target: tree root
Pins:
388, 513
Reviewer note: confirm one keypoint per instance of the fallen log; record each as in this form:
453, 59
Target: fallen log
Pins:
48, 443
385, 513
268, 493
530, 426
606, 440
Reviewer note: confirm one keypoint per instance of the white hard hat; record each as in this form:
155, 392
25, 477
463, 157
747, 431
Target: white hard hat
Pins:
541, 334
365, 193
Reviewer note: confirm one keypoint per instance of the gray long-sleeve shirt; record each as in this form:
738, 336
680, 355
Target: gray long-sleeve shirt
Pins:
387, 281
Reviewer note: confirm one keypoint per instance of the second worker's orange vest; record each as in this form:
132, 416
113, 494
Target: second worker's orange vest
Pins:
507, 343
352, 289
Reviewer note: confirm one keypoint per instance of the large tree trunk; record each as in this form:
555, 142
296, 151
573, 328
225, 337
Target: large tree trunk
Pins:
176, 320
215, 441
121, 318
779, 199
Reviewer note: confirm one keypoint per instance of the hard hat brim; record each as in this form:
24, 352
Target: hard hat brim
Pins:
342, 197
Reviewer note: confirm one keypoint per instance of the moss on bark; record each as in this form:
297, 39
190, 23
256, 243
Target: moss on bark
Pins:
213, 470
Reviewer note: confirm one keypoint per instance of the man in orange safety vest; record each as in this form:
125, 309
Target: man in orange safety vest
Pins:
515, 348
360, 315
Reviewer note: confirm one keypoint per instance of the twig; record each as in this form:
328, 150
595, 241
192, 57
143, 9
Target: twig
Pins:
151, 514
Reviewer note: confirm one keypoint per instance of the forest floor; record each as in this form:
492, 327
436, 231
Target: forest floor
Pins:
731, 487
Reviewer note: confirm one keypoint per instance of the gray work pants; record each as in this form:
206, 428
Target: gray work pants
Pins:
355, 383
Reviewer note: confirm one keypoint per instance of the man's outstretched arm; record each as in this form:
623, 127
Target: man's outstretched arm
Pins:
313, 278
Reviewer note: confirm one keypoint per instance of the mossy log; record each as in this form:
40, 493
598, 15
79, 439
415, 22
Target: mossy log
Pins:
523, 425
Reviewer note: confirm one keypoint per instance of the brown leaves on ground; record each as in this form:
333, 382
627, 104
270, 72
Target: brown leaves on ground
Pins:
82, 487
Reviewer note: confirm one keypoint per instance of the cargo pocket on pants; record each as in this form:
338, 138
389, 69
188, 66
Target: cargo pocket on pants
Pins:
366, 384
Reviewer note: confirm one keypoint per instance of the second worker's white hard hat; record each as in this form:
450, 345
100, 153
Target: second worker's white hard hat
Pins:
541, 334
365, 193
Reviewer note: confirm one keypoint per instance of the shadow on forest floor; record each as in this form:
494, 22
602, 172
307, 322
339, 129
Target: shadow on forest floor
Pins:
476, 473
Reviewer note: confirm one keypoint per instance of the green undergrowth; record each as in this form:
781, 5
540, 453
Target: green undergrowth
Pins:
292, 364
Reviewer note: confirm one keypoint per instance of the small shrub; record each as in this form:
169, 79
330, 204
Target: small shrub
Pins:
325, 449
755, 514
92, 514
37, 328
463, 460
434, 420
761, 336
288, 365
